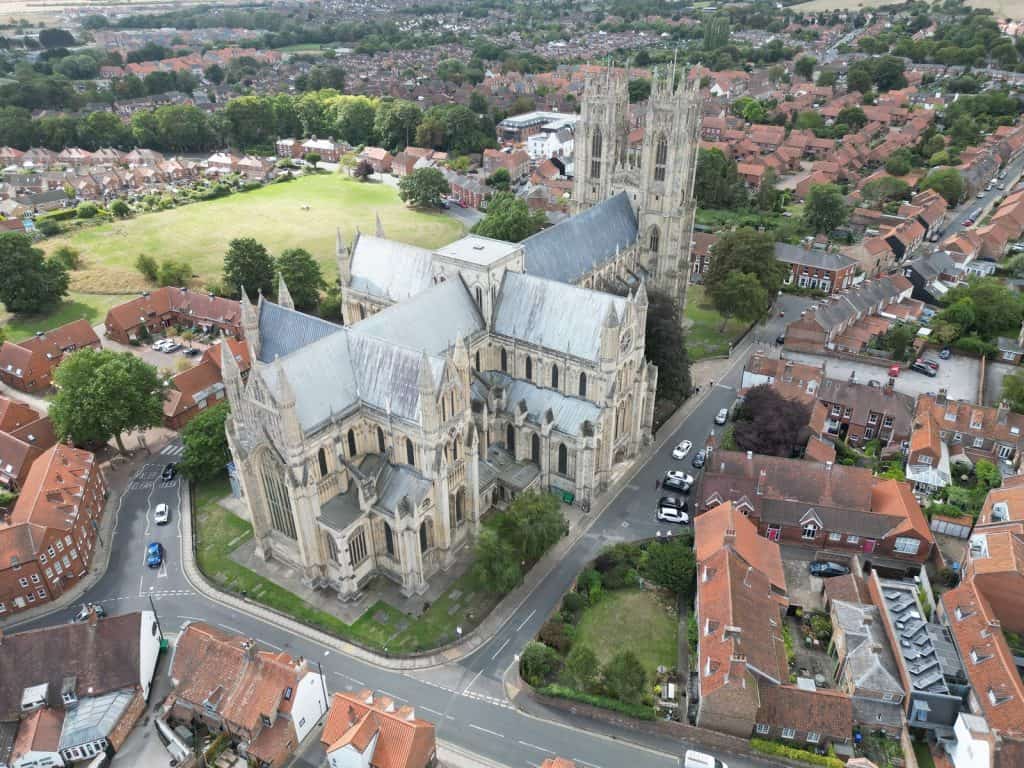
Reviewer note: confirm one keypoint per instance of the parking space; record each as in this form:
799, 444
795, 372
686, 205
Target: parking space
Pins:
958, 375
152, 356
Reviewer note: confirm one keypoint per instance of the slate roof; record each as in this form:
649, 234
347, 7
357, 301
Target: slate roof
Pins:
554, 315
103, 658
869, 661
831, 260
282, 330
389, 269
569, 250
569, 412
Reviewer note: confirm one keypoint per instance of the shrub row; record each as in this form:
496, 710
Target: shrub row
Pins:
781, 750
638, 711
61, 214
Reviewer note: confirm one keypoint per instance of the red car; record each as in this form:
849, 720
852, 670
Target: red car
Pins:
894, 370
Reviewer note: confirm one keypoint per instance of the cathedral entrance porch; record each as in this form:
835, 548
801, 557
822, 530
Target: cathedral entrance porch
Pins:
377, 588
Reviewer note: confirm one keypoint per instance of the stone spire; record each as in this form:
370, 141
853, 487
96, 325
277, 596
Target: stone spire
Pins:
284, 298
250, 324
231, 374
611, 318
641, 295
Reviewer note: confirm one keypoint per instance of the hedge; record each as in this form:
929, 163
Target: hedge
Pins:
61, 214
638, 711
792, 753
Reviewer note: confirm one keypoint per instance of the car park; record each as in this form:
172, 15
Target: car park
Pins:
681, 450
945, 353
162, 514
169, 471
827, 568
154, 555
722, 416
86, 609
699, 458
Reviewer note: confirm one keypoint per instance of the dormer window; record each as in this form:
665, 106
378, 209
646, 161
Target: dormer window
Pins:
998, 697
978, 655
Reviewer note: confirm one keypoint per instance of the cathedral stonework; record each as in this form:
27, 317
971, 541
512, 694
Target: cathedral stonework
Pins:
466, 375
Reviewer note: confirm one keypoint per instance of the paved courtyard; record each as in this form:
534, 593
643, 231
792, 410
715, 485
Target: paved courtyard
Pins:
958, 375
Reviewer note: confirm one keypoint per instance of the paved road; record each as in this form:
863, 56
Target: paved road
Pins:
988, 200
465, 700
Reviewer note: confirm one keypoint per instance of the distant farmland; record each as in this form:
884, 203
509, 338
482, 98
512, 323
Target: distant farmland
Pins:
1010, 9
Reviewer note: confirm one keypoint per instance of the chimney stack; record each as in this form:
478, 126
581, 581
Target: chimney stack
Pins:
762, 480
730, 536
941, 397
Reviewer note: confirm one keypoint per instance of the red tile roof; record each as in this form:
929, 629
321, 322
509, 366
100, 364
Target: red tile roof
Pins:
403, 741
726, 525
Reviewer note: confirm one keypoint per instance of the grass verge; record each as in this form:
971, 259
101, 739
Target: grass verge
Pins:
92, 307
704, 334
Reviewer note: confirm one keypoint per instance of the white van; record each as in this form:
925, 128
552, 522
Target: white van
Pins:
695, 759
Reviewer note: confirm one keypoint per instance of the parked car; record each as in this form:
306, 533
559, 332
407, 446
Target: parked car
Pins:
780, 339
162, 514
154, 554
681, 450
673, 510
894, 371
672, 484
169, 471
933, 364
694, 759
190, 351
699, 458
171, 347
676, 474
86, 609
162, 344
827, 568
945, 353
922, 367
722, 416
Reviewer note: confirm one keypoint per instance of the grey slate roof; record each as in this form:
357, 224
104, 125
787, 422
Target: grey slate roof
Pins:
934, 264
94, 718
431, 321
341, 511
554, 315
569, 412
869, 660
475, 249
574, 247
282, 331
389, 269
792, 254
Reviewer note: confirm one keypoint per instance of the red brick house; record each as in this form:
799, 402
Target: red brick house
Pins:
369, 730
859, 412
202, 386
820, 506
378, 157
700, 252
47, 543
826, 271
154, 311
468, 190
28, 365
24, 435
515, 161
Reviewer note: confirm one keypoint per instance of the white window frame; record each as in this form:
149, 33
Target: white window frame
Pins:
979, 442
764, 729
789, 733
907, 545
853, 539
835, 536
813, 738
23, 582
1005, 451
887, 422
872, 419
813, 528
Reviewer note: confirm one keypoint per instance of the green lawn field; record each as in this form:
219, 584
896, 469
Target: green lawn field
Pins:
93, 307
704, 334
274, 215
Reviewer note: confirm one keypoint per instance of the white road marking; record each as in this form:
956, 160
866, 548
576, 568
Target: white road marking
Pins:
466, 689
231, 629
393, 696
500, 649
484, 730
271, 645
534, 746
526, 620
432, 711
584, 762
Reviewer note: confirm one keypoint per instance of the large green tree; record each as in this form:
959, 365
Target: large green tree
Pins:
804, 67
717, 184
740, 295
28, 282
354, 118
1013, 390
301, 273
746, 250
248, 265
396, 122
672, 565
206, 444
423, 188
947, 182
825, 208
625, 678
101, 394
509, 218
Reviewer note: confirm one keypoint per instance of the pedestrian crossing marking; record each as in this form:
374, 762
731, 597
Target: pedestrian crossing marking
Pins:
172, 450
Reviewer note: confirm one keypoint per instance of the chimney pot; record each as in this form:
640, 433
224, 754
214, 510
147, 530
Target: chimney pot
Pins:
750, 455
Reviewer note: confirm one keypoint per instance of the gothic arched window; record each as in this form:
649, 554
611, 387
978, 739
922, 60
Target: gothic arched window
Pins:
321, 458
510, 439
279, 503
351, 443
563, 460
660, 158
529, 368
595, 154
554, 376
655, 240
389, 540
380, 440
477, 360
479, 298
423, 536
583, 384
410, 453
535, 450
504, 361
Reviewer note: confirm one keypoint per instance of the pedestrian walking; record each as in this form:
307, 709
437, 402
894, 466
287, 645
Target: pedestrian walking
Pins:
657, 483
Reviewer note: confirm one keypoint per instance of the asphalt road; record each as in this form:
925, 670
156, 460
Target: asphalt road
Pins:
465, 700
988, 199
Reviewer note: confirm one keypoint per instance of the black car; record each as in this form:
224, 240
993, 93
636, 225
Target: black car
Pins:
922, 367
827, 568
780, 339
190, 351
699, 458
674, 484
169, 472
672, 501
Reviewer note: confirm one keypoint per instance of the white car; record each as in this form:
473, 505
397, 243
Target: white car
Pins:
681, 450
162, 514
722, 417
673, 515
682, 477
695, 759
159, 345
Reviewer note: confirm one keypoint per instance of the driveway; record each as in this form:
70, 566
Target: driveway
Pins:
168, 360
468, 216
958, 375
994, 374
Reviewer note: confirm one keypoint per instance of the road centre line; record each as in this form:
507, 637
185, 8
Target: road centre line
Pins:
484, 730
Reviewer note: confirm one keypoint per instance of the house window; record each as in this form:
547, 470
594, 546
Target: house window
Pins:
660, 158
869, 433
563, 459
976, 421
763, 729
998, 697
789, 733
835, 537
979, 442
813, 738
380, 440
23, 582
583, 385
554, 376
848, 413
810, 531
1005, 451
925, 459
837, 411
410, 453
873, 419
979, 656
41, 593
35, 578
957, 437
907, 546
851, 539
504, 361
887, 422
351, 442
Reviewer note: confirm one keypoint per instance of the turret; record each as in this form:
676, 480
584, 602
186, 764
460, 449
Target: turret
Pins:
231, 374
609, 335
291, 430
284, 298
640, 305
250, 325
428, 395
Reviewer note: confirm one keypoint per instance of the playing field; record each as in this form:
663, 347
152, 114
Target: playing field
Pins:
275, 215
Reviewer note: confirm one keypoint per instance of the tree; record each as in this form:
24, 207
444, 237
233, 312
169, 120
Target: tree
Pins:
501, 180
86, 211
804, 67
625, 678
884, 189
363, 170
354, 119
214, 73
247, 264
898, 340
767, 196
740, 295
581, 668
539, 664
672, 565
120, 208
101, 394
206, 444
768, 423
56, 38
301, 273
312, 158
809, 121
899, 163
716, 32
988, 475
827, 78
1013, 390
496, 564
509, 218
30, 283
148, 266
68, 257
396, 122
947, 182
825, 209
858, 79
854, 117
174, 272
639, 90
984, 307
717, 184
534, 523
746, 250
423, 188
